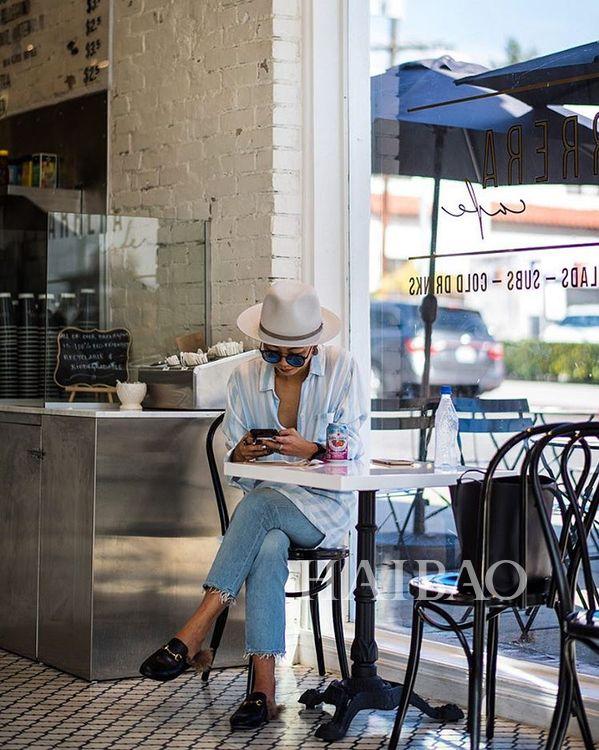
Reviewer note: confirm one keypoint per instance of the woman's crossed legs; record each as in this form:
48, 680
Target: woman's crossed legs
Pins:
255, 550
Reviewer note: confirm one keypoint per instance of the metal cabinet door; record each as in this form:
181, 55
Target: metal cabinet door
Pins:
20, 472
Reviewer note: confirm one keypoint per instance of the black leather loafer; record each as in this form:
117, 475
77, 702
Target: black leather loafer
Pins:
252, 713
167, 663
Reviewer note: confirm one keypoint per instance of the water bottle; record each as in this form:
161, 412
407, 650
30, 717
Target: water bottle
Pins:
447, 456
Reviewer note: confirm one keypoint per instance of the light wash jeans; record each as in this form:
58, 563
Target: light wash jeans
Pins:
255, 550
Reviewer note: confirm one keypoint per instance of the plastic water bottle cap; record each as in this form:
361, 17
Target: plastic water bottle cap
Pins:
446, 390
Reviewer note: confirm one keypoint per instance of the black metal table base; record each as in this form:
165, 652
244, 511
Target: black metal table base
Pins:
365, 690
354, 695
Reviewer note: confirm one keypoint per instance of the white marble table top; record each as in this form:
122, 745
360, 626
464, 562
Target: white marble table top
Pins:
350, 475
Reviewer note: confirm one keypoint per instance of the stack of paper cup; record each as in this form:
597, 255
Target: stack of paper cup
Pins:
8, 348
28, 348
47, 345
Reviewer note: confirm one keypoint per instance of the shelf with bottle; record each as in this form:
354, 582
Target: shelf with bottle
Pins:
48, 199
35, 177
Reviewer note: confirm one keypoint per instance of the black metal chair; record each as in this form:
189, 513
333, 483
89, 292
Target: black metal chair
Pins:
335, 558
578, 503
435, 595
493, 417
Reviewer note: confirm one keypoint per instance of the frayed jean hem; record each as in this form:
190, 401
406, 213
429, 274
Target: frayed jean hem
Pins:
226, 597
264, 654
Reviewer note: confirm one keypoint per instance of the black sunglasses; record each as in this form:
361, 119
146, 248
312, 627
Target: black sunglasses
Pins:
273, 358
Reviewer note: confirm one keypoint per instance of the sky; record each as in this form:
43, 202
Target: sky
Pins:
478, 29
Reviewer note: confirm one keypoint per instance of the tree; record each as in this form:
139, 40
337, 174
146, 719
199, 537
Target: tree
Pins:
514, 52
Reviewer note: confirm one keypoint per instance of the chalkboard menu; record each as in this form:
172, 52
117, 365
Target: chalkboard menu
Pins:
92, 358
50, 51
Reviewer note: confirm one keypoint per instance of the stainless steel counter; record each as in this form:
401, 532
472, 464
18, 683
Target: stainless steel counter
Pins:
108, 526
96, 411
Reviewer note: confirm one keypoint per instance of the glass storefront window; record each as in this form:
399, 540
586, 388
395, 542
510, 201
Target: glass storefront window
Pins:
487, 198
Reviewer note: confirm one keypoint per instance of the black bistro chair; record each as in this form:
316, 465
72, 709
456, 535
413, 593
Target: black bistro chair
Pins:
335, 558
434, 596
496, 418
578, 503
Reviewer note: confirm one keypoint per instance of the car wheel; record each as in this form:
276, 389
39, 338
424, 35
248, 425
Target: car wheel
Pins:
467, 391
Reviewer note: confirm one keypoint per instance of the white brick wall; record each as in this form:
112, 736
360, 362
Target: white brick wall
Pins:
205, 123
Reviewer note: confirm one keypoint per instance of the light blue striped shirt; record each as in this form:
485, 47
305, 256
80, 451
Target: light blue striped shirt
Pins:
333, 385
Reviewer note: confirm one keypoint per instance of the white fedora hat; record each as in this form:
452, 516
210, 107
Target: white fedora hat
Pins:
290, 316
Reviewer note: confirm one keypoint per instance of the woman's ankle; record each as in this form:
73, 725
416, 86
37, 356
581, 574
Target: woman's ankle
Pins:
196, 629
191, 640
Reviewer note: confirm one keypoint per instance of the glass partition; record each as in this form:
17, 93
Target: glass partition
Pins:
141, 274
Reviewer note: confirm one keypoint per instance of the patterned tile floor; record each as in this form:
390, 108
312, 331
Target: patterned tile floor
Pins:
41, 708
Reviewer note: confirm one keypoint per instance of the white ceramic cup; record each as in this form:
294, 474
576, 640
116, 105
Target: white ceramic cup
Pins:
131, 394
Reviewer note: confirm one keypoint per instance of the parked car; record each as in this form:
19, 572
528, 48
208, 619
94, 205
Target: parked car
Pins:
580, 326
463, 352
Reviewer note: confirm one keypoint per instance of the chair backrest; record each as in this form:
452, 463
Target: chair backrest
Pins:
405, 414
219, 493
481, 409
402, 414
577, 503
516, 443
492, 416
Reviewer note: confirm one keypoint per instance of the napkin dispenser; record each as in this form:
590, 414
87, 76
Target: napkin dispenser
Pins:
200, 387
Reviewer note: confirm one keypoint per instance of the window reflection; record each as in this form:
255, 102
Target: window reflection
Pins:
510, 211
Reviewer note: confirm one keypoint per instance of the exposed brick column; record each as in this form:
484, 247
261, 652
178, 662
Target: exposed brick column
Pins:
205, 123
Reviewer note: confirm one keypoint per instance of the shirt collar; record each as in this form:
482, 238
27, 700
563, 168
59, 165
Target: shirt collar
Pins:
317, 362
267, 376
267, 372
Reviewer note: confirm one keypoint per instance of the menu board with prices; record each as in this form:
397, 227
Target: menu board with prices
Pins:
51, 51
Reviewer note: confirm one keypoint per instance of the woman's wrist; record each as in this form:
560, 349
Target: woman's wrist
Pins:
318, 450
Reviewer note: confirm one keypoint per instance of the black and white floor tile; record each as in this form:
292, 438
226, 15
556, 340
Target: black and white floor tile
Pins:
41, 708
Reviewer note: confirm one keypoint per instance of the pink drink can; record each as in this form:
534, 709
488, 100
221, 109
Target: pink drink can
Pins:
337, 442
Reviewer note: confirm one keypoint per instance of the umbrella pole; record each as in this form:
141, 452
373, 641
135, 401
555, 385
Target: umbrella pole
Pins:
428, 308
428, 313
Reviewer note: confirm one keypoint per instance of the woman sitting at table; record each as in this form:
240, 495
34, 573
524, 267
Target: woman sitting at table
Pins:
292, 388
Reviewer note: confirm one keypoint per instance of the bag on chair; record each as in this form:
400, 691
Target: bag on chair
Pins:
504, 526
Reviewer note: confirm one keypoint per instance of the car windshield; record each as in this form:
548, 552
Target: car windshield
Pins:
461, 321
581, 321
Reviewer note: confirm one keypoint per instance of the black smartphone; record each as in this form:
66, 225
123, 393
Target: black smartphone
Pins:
263, 433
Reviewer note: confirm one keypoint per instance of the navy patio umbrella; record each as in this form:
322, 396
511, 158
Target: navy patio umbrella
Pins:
570, 76
421, 127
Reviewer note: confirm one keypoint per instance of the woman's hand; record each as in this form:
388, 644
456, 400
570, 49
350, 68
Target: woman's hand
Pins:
291, 443
246, 450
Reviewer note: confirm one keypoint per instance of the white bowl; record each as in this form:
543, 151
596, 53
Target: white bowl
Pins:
131, 394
